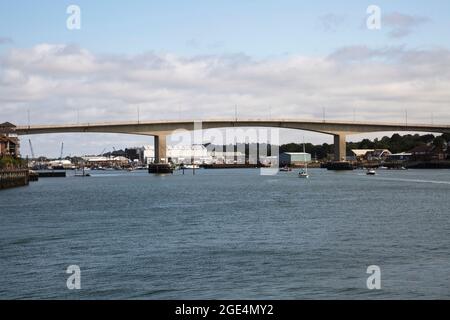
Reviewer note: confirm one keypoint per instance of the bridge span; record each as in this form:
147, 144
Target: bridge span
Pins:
161, 129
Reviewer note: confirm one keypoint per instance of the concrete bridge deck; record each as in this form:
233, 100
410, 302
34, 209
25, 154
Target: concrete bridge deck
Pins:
161, 129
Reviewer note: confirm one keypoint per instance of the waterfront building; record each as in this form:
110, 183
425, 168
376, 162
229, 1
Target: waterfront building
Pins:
61, 165
197, 154
147, 154
294, 158
200, 154
428, 153
9, 147
227, 157
361, 154
133, 154
378, 154
370, 154
399, 157
100, 161
9, 142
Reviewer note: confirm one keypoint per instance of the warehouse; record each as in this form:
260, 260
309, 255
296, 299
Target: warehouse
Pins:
294, 158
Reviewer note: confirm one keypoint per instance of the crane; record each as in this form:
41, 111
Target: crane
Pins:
62, 149
31, 149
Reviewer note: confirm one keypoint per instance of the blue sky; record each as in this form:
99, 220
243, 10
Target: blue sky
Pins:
256, 27
202, 58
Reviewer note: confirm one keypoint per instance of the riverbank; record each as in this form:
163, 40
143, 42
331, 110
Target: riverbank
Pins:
14, 178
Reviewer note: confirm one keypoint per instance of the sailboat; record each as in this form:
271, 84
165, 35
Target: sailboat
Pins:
304, 172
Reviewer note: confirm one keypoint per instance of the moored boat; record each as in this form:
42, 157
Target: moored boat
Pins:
190, 166
304, 173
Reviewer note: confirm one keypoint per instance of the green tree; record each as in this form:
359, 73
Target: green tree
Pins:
439, 143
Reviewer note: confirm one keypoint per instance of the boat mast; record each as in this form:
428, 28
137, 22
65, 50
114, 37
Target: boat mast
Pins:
305, 164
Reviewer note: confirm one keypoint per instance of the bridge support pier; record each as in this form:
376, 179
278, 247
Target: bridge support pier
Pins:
340, 147
160, 149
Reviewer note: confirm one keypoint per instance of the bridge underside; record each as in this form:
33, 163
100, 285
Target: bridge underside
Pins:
161, 129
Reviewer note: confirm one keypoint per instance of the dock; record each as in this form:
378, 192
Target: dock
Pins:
338, 166
52, 174
160, 168
230, 166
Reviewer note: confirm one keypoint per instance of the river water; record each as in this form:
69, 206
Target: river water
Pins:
228, 234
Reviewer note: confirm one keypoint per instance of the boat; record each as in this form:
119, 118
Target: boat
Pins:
83, 173
190, 166
285, 169
304, 172
371, 172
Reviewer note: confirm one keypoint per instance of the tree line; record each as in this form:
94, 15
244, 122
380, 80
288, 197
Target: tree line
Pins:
396, 144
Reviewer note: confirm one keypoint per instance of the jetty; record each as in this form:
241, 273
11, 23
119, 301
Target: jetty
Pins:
14, 178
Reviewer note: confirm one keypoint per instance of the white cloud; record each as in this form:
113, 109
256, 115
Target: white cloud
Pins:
54, 81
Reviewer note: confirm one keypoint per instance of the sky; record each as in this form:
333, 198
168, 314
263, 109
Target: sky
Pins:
201, 59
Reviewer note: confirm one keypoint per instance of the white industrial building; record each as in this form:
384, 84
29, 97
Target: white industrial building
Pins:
197, 154
98, 161
61, 164
179, 154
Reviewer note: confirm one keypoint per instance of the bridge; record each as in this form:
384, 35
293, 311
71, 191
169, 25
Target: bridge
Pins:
161, 129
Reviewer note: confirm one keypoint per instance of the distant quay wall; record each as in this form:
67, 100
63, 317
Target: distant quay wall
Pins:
13, 178
443, 164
